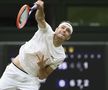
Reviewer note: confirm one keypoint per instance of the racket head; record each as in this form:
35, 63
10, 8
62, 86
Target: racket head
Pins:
22, 16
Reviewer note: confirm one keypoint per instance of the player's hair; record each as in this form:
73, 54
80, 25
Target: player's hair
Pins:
69, 24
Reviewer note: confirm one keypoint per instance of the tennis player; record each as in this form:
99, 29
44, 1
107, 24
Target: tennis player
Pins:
38, 57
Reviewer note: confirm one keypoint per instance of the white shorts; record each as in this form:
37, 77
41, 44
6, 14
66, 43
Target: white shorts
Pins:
15, 79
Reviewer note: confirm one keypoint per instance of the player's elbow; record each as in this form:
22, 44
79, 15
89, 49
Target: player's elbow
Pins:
39, 18
41, 23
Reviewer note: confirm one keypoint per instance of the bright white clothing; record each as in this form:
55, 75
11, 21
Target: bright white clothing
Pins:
41, 43
15, 79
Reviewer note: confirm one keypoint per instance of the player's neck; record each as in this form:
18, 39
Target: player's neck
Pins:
57, 42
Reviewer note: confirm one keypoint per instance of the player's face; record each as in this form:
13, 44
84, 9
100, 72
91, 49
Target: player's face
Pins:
63, 32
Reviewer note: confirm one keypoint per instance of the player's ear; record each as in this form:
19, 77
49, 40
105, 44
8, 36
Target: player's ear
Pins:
56, 28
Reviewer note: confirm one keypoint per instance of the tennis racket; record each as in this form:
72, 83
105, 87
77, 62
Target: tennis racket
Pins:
23, 15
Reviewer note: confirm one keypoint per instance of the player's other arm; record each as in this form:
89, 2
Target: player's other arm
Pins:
45, 72
40, 15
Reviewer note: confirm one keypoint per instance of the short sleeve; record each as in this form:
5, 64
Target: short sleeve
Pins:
41, 80
46, 29
56, 64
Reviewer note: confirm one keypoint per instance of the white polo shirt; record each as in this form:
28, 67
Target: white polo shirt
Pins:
41, 42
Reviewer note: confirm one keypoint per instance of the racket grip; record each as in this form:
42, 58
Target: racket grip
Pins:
33, 8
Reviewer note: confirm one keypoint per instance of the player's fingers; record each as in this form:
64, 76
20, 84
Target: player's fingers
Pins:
38, 57
42, 58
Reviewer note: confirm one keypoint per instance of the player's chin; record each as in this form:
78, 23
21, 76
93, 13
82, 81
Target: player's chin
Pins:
62, 38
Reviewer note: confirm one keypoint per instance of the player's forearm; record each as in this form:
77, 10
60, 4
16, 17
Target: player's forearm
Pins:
42, 73
40, 15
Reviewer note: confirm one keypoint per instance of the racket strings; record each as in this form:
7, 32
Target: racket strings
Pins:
24, 16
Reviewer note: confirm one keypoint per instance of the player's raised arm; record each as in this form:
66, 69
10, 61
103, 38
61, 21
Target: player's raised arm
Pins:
40, 15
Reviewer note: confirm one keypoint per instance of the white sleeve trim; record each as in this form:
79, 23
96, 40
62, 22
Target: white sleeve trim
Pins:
56, 64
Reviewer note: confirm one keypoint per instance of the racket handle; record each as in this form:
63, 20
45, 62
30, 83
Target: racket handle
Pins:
33, 8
